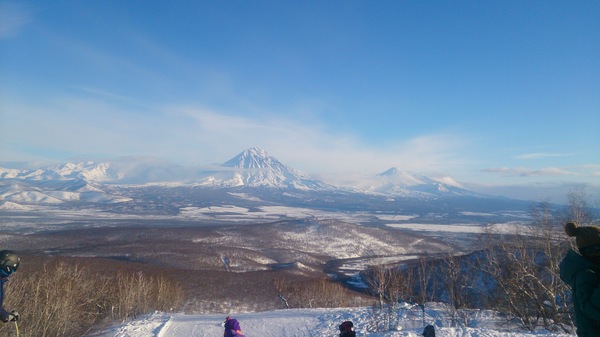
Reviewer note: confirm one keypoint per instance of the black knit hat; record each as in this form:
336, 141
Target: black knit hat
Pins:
346, 326
587, 238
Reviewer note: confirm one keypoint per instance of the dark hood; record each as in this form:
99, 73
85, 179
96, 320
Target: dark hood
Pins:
232, 324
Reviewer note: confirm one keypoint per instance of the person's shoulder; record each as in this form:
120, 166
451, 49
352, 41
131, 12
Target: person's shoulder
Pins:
587, 277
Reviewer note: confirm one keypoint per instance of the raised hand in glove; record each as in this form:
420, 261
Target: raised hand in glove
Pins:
13, 316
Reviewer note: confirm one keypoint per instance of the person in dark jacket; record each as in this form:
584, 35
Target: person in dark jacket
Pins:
9, 262
429, 331
232, 328
346, 329
581, 271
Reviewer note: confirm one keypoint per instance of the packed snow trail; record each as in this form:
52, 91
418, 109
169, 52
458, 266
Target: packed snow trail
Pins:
286, 323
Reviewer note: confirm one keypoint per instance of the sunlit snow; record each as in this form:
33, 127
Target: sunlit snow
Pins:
310, 323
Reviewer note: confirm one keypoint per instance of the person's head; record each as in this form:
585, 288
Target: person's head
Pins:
429, 331
232, 323
346, 326
9, 263
587, 239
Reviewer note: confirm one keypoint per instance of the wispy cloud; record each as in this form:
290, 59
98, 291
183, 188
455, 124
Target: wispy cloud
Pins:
555, 191
593, 167
589, 170
13, 17
529, 172
540, 155
313, 146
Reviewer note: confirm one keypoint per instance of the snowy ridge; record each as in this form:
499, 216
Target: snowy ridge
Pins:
90, 171
14, 206
51, 187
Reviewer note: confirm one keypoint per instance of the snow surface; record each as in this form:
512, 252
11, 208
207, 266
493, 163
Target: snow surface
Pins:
302, 323
233, 213
508, 227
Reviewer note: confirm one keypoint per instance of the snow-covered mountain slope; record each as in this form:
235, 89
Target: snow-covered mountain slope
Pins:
89, 171
394, 182
30, 190
255, 168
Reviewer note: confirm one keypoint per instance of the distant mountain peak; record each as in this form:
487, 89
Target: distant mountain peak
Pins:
389, 172
254, 167
396, 182
403, 178
253, 157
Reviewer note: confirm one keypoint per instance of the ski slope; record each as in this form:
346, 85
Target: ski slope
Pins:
296, 323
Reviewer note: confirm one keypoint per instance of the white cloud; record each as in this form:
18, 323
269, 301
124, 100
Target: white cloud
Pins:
313, 147
108, 125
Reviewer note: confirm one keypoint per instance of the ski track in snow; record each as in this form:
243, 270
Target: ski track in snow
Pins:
286, 323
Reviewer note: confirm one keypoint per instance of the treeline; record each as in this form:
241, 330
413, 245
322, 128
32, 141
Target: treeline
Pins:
516, 273
64, 299
315, 293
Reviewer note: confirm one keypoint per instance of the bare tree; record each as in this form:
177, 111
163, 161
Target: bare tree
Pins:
524, 265
310, 293
578, 209
74, 299
378, 278
427, 283
457, 278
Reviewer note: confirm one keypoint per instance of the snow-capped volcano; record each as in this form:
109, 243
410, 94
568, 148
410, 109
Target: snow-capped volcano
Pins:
254, 167
255, 157
396, 182
404, 178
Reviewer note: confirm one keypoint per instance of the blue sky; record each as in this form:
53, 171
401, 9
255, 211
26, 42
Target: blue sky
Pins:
502, 96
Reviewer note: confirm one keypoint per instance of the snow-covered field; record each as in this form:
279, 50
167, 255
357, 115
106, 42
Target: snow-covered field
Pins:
302, 323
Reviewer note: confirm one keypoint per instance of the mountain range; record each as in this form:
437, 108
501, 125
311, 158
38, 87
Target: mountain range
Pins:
250, 179
253, 167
